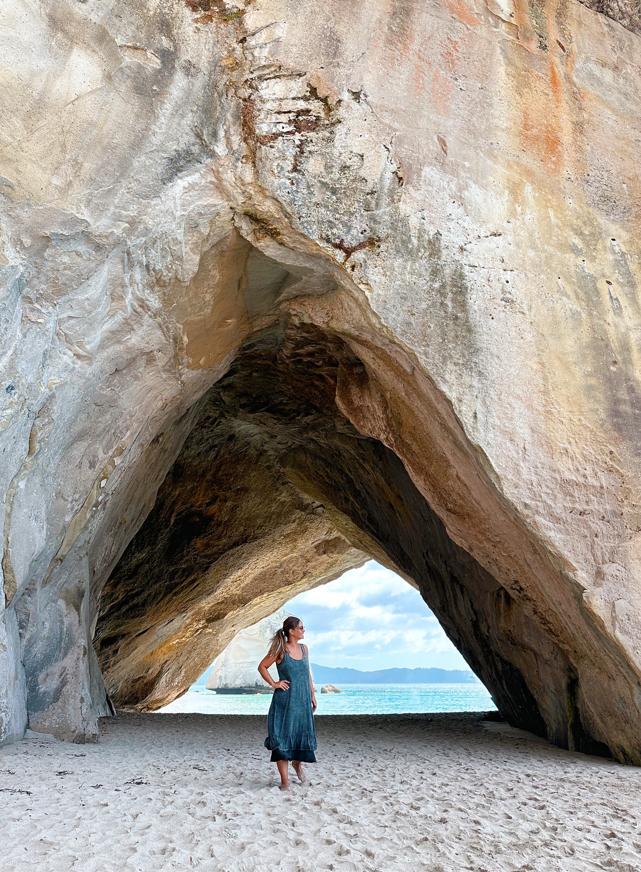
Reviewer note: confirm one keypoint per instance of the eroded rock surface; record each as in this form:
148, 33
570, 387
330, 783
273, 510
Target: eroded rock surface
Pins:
287, 286
626, 12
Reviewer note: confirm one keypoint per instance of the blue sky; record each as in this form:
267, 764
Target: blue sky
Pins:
369, 618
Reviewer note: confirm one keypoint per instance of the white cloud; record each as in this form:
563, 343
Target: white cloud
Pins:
371, 618
369, 579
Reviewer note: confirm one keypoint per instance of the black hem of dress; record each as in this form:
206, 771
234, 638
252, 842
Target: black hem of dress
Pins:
296, 754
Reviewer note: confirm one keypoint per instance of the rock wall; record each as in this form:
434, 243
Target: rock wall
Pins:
429, 212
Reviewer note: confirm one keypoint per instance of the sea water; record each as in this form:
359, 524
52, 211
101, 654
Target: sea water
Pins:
354, 699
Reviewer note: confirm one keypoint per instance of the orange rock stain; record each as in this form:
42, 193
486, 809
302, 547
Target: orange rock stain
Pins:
441, 90
450, 53
462, 12
441, 86
543, 114
540, 136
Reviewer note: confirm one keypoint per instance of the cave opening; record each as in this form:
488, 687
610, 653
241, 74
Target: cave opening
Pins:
374, 648
274, 491
322, 442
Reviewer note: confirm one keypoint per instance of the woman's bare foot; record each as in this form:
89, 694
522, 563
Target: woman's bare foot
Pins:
283, 786
298, 767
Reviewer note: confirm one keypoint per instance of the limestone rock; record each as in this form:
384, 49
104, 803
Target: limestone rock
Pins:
330, 688
286, 286
13, 710
237, 666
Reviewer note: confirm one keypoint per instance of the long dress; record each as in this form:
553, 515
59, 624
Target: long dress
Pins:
291, 732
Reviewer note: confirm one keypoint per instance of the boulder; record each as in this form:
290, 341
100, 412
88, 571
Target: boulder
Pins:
330, 688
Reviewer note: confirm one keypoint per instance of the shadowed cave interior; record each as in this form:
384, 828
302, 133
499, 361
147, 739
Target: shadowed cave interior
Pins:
273, 492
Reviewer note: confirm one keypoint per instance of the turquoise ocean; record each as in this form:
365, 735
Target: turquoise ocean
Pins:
354, 699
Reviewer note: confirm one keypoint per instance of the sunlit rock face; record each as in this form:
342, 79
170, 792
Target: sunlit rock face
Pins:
283, 291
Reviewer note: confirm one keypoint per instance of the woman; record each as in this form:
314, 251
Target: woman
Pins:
290, 721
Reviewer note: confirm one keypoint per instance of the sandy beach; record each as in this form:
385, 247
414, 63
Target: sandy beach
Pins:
433, 792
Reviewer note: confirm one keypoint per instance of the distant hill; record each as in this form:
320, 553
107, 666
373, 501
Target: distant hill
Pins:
339, 674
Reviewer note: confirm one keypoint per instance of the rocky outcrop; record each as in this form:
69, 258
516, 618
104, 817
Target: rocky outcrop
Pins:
283, 292
237, 666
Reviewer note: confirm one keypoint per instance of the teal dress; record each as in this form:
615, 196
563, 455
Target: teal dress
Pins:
291, 732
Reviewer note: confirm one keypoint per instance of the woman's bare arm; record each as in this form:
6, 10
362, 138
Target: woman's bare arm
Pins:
263, 666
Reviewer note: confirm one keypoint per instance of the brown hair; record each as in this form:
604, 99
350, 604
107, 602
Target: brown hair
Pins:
277, 645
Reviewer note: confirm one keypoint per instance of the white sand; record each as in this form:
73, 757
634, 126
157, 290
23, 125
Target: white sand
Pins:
434, 792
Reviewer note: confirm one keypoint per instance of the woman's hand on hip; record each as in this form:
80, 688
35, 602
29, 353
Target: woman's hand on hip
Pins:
281, 685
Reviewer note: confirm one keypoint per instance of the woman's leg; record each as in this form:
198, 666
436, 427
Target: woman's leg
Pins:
283, 772
298, 767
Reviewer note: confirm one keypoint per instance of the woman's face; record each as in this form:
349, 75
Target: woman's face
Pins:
297, 633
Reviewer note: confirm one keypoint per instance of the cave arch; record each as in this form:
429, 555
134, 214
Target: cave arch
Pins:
292, 473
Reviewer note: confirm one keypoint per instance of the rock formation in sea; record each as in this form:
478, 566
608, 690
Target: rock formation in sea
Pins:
237, 666
285, 291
